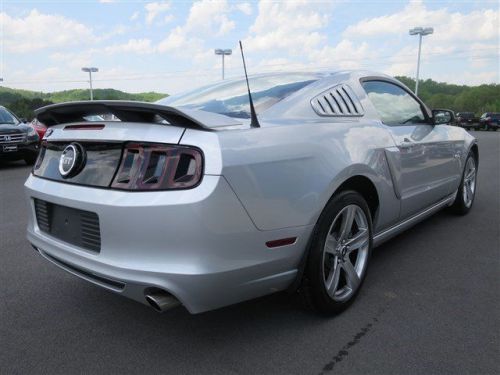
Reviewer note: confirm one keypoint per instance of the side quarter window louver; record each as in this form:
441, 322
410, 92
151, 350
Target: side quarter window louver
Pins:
337, 101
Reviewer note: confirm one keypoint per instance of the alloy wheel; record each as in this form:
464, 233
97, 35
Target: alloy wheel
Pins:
345, 253
469, 185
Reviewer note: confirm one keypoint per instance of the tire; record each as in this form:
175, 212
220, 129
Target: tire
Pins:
467, 190
30, 160
345, 266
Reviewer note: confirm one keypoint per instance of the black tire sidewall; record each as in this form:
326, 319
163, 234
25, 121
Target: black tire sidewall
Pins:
30, 160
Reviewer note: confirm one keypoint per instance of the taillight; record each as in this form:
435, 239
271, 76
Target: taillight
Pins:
149, 166
41, 155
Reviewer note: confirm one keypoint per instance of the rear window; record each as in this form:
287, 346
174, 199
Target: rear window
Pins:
231, 98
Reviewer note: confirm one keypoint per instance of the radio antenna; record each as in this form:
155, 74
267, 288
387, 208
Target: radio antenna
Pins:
254, 123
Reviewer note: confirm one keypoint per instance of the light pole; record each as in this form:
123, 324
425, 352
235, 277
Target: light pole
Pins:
223, 52
420, 31
90, 70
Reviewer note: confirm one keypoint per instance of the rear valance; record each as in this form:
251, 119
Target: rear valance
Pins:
128, 111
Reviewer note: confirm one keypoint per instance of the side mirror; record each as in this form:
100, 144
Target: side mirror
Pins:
23, 120
442, 116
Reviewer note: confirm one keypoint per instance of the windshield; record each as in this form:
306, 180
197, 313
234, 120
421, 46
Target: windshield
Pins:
7, 118
231, 98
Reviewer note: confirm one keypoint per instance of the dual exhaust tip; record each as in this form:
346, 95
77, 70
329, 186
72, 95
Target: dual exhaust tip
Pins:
161, 301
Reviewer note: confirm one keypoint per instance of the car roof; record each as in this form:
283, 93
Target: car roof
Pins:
318, 74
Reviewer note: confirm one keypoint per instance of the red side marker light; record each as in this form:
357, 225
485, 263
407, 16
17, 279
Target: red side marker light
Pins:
281, 242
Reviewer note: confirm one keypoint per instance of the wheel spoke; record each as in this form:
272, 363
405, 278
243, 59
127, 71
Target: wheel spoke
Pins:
360, 239
470, 174
469, 192
352, 277
332, 281
330, 244
347, 220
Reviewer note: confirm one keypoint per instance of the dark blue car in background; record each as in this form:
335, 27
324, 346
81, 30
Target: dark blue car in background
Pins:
490, 121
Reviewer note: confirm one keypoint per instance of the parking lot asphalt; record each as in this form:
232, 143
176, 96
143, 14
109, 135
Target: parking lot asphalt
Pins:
430, 305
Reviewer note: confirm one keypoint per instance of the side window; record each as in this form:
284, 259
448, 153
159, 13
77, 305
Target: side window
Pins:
394, 105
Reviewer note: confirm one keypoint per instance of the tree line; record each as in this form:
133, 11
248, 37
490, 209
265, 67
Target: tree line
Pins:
24, 102
458, 98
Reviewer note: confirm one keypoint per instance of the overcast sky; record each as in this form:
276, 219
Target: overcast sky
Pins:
167, 46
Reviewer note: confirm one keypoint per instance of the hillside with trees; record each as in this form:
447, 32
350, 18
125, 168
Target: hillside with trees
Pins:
478, 99
23, 102
458, 98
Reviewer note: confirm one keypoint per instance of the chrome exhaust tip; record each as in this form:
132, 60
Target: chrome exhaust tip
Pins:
162, 301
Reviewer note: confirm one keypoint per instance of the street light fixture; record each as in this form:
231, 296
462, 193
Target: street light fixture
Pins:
420, 31
223, 52
90, 70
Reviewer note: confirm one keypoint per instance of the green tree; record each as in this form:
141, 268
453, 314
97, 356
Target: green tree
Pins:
23, 107
458, 98
24, 102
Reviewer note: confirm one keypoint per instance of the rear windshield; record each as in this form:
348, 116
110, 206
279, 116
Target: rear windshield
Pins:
7, 118
466, 114
231, 98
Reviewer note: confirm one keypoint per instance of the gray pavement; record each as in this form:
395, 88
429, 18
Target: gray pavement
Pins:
430, 305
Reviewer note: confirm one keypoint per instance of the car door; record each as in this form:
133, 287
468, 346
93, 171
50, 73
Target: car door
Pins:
423, 163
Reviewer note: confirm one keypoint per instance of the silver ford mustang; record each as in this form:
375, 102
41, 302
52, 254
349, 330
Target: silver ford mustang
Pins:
194, 200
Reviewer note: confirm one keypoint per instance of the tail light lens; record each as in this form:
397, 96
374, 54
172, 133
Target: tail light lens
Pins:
146, 166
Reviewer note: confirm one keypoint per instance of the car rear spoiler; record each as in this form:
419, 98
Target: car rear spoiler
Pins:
129, 111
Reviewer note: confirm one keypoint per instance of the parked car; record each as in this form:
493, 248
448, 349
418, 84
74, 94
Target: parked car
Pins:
467, 120
39, 127
204, 200
490, 121
18, 141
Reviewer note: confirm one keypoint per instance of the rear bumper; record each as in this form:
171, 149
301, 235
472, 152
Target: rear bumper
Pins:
199, 245
23, 150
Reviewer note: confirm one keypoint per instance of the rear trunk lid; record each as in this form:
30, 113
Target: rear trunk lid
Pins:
103, 142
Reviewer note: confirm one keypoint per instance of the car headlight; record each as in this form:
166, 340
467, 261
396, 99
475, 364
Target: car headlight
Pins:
31, 132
